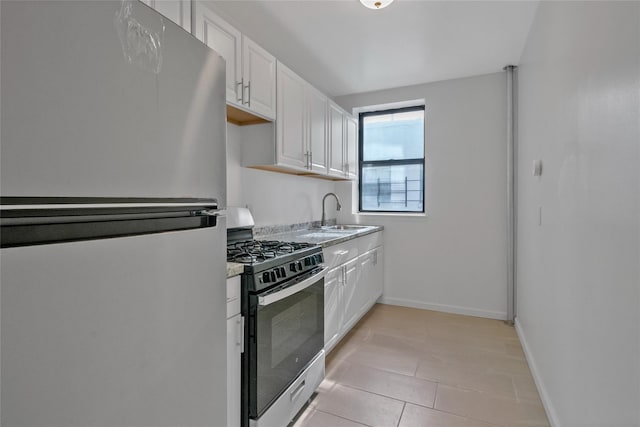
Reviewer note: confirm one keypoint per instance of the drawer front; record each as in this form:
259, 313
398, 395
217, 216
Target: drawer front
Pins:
339, 254
294, 398
368, 242
233, 296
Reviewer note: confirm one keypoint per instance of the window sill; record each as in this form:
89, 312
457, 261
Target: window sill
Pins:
397, 214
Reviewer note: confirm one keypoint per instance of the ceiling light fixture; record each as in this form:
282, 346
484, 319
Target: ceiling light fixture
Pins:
376, 4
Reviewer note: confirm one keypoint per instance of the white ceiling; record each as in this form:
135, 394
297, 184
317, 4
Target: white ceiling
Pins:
343, 48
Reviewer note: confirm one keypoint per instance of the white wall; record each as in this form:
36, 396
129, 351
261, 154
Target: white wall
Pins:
274, 198
578, 280
453, 259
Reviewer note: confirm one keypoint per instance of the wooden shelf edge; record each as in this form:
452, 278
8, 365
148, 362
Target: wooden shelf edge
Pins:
243, 118
291, 171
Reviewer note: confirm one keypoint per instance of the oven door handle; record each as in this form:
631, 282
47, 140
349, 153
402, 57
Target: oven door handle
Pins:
288, 291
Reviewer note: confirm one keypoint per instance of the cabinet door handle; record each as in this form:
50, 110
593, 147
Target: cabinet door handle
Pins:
295, 393
248, 87
310, 159
240, 333
240, 93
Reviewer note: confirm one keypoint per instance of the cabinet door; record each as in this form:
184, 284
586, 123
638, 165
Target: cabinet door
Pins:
352, 294
226, 41
179, 11
332, 307
259, 73
336, 137
234, 349
378, 272
350, 147
371, 277
290, 126
317, 129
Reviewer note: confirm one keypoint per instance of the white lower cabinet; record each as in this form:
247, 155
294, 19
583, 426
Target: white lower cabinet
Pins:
371, 274
352, 286
235, 344
332, 306
353, 294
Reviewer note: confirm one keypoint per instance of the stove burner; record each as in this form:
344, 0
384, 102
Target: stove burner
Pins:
255, 251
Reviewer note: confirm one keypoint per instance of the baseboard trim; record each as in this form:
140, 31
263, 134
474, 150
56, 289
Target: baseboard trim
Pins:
544, 395
445, 308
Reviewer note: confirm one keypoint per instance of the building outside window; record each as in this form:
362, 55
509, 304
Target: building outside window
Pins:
391, 160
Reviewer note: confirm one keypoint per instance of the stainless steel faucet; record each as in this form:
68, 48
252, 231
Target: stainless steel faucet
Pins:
323, 222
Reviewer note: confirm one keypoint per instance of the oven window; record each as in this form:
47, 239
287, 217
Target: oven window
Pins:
291, 328
289, 334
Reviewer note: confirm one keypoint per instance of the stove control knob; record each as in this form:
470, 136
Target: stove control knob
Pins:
273, 276
318, 258
283, 272
266, 277
314, 261
299, 265
307, 261
292, 267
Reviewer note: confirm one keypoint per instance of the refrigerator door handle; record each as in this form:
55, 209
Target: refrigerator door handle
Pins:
212, 212
58, 220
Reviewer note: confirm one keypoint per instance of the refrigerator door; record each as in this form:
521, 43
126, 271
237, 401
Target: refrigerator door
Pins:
116, 332
108, 99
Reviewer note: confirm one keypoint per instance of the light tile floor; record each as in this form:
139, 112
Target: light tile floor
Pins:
404, 367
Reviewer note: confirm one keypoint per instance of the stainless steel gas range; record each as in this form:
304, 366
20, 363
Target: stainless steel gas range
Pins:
283, 306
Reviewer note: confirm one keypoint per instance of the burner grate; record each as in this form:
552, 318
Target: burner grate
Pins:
256, 251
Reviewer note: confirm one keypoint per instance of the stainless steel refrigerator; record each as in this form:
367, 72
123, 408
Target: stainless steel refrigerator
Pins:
113, 178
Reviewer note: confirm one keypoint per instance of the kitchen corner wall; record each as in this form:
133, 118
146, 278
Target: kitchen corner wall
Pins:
454, 258
274, 198
578, 310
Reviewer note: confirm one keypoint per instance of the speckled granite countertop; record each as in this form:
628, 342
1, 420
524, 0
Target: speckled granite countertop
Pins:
234, 269
325, 237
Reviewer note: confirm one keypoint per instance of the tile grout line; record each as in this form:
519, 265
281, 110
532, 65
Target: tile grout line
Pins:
401, 414
371, 392
489, 423
343, 417
435, 395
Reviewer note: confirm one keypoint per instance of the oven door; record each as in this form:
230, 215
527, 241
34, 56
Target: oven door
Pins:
286, 333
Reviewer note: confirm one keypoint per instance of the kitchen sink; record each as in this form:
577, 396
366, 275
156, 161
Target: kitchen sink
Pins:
344, 227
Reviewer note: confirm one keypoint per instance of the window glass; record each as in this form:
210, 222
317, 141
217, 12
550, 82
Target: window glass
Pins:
394, 136
392, 160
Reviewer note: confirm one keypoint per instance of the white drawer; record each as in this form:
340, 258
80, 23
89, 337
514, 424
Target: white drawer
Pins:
339, 254
294, 398
233, 296
368, 242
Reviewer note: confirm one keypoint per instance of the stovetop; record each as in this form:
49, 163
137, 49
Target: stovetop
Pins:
256, 251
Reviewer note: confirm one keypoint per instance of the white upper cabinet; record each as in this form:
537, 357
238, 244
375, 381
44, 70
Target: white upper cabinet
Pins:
227, 41
291, 126
301, 128
259, 79
343, 143
251, 70
336, 140
316, 104
179, 11
351, 147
